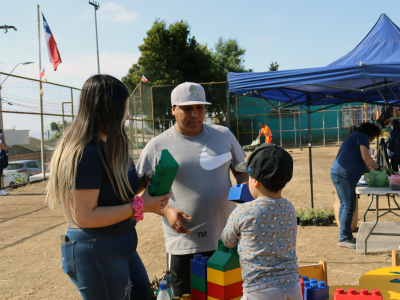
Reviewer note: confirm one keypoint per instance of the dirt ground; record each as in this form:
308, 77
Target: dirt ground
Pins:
30, 256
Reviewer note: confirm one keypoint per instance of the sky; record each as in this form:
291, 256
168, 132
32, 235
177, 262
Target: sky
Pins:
296, 34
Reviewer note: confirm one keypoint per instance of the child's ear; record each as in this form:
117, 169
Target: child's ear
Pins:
256, 183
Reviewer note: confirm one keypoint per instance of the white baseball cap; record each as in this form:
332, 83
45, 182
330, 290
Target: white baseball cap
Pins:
188, 93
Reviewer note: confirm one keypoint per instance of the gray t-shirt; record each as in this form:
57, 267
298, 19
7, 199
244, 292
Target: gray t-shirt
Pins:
201, 186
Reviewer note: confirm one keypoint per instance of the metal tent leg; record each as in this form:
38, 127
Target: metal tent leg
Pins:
310, 156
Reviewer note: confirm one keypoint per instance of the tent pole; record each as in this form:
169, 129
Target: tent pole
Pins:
228, 110
310, 156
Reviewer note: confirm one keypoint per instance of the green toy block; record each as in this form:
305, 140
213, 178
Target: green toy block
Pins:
198, 283
224, 259
164, 175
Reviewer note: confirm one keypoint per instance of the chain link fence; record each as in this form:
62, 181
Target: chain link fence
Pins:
33, 115
150, 108
30, 109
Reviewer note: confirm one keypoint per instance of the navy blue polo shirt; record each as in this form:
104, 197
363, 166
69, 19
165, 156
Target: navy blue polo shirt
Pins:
349, 163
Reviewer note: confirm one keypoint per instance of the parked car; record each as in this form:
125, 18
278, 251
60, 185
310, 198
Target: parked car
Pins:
19, 171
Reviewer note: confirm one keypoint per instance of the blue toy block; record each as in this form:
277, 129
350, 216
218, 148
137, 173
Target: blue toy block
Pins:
198, 265
316, 291
240, 193
307, 286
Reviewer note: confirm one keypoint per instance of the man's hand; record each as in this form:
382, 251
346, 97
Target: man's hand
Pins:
174, 217
147, 177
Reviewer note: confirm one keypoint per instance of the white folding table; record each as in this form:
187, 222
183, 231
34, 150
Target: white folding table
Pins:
362, 189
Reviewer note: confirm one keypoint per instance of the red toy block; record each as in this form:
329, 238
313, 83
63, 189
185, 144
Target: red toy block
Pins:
352, 294
302, 286
197, 295
225, 292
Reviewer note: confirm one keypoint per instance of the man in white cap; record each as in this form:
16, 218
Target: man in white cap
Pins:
198, 207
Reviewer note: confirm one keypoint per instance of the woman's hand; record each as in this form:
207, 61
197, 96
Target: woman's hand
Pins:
174, 217
153, 204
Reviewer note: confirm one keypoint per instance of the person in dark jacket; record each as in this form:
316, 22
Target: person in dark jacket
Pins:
393, 145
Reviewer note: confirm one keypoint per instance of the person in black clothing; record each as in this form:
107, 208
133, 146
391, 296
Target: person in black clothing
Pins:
3, 147
393, 145
94, 180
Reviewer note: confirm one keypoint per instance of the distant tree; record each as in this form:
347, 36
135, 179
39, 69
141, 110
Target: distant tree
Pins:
170, 56
57, 129
274, 66
228, 56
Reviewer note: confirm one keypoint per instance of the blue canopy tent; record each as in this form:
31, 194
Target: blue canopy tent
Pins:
370, 74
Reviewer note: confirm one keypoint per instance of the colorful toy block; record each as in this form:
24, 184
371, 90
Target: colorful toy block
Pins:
224, 278
198, 283
164, 175
318, 291
307, 285
224, 292
302, 279
351, 294
224, 259
198, 265
197, 295
240, 193
317, 271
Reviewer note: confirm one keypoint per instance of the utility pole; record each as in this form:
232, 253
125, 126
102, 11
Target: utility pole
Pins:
96, 6
43, 158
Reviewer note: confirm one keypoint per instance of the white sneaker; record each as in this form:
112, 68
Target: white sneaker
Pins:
3, 193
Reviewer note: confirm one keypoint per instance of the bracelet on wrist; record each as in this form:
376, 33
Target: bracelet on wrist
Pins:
137, 207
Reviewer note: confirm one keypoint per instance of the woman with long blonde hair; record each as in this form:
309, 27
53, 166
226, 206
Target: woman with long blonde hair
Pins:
94, 181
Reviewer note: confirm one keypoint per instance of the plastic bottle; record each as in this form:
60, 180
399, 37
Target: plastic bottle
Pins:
168, 290
163, 293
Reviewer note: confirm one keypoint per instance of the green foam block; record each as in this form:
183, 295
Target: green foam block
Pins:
164, 175
224, 259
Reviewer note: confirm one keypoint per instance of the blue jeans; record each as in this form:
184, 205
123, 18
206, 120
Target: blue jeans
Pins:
105, 268
346, 191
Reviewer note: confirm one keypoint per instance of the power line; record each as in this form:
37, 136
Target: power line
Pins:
52, 106
21, 47
23, 99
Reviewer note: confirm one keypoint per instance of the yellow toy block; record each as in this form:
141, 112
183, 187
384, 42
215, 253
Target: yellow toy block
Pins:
212, 298
224, 278
317, 271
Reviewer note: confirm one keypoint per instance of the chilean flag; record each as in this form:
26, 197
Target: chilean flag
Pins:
42, 73
51, 45
144, 79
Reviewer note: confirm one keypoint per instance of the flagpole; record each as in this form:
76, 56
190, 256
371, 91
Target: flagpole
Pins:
96, 7
41, 101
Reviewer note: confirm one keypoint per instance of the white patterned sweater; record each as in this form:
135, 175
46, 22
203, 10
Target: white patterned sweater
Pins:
265, 231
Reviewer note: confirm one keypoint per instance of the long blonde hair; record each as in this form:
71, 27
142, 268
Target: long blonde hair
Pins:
102, 108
